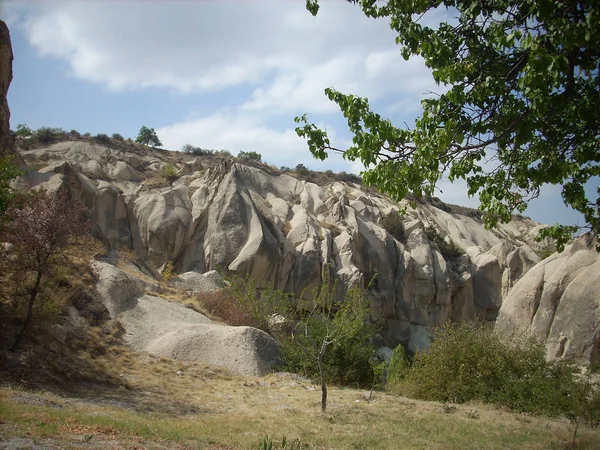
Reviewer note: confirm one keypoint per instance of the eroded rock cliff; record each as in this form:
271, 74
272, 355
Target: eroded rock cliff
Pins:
282, 231
558, 303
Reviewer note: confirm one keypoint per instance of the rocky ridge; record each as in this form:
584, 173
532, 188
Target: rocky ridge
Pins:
220, 214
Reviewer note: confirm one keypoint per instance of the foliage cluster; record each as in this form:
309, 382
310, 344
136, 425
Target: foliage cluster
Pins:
392, 223
198, 151
303, 326
147, 136
471, 361
102, 138
448, 248
39, 228
253, 156
521, 84
170, 172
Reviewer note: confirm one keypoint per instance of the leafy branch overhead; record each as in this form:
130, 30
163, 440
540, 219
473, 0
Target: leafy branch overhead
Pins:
521, 106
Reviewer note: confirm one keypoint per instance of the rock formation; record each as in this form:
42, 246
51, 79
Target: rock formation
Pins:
6, 75
155, 325
7, 147
284, 232
558, 303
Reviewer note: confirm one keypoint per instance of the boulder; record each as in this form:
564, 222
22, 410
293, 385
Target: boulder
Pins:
155, 325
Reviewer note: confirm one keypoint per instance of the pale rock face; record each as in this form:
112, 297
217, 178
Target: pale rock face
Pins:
225, 216
558, 303
158, 326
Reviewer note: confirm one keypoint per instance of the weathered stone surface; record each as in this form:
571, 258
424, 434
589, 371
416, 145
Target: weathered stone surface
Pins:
558, 303
156, 325
225, 216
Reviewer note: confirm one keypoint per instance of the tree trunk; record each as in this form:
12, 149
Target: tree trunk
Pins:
323, 385
32, 297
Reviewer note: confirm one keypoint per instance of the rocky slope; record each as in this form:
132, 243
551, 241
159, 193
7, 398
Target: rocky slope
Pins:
221, 214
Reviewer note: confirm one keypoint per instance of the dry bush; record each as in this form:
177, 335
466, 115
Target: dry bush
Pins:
223, 306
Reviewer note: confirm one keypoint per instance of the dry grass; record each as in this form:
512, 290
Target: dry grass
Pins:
221, 307
100, 394
171, 404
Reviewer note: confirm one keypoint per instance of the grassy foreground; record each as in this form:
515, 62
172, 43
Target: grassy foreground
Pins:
162, 403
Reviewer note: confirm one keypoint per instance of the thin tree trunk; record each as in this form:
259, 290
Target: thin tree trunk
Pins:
323, 385
24, 328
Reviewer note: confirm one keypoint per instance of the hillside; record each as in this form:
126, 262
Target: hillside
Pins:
213, 213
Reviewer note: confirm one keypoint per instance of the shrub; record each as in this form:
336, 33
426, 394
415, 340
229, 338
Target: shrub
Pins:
470, 361
168, 272
349, 178
187, 148
102, 138
398, 368
118, 137
350, 356
170, 172
223, 306
301, 169
253, 156
45, 135
392, 223
74, 134
222, 153
449, 249
23, 131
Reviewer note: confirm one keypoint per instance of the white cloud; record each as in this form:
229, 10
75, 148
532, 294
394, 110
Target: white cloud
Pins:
274, 47
234, 132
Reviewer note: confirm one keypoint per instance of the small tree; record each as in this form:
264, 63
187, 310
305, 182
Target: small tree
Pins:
253, 156
327, 324
39, 229
23, 131
147, 136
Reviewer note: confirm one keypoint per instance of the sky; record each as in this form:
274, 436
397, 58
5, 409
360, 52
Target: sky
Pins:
218, 74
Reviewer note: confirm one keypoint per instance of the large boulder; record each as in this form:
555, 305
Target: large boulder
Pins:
155, 325
558, 303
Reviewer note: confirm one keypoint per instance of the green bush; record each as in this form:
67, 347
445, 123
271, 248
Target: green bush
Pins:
470, 361
74, 134
118, 137
47, 135
398, 368
253, 156
170, 172
23, 131
102, 138
222, 153
392, 223
349, 360
449, 249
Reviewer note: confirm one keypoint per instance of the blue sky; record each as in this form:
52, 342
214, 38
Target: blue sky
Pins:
216, 74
